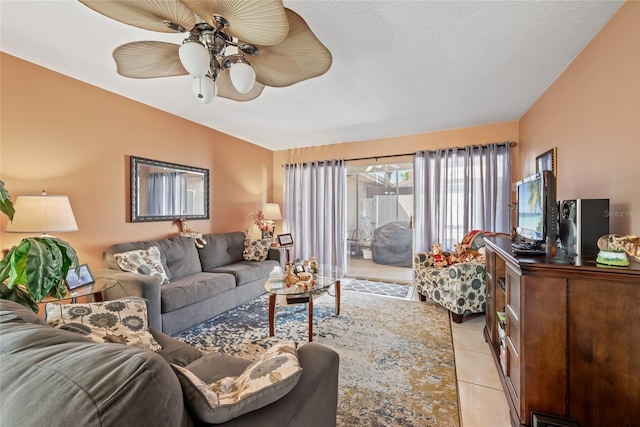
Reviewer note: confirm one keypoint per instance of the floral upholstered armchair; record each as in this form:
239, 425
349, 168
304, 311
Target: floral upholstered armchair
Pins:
455, 280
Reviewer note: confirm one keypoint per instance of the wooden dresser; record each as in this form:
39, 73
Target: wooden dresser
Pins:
571, 342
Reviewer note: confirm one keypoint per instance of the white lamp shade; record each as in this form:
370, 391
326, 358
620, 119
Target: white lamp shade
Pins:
271, 211
195, 58
42, 214
204, 88
243, 77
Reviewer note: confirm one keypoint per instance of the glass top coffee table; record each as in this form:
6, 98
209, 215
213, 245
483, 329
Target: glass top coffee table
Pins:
301, 294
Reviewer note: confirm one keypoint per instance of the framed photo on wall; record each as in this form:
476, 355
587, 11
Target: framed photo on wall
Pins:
82, 278
548, 161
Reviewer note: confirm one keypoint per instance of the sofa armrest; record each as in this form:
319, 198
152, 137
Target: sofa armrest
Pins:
138, 285
278, 254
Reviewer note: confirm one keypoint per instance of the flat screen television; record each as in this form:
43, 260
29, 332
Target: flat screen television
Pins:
537, 209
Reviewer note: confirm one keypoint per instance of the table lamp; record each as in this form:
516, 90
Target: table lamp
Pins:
42, 214
271, 212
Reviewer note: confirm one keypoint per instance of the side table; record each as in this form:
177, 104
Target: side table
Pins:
94, 290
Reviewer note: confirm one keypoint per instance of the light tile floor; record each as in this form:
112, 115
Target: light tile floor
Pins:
482, 399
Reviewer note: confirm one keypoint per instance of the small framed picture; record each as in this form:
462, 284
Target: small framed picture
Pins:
285, 239
298, 267
81, 278
547, 161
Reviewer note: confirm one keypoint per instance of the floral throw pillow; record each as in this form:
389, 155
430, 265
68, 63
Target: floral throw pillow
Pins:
143, 261
256, 250
122, 321
263, 382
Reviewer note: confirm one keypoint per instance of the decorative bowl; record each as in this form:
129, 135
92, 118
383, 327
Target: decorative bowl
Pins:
304, 276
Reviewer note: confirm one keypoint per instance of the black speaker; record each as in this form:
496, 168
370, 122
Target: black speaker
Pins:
581, 223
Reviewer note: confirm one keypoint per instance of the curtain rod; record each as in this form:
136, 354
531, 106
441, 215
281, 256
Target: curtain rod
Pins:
511, 144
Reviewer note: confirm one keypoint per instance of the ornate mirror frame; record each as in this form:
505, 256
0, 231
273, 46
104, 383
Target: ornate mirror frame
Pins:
191, 203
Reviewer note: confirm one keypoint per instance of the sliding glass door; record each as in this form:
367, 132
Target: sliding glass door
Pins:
379, 222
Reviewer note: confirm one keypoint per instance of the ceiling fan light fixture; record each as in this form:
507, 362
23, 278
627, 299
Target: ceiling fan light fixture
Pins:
243, 76
281, 48
195, 58
204, 88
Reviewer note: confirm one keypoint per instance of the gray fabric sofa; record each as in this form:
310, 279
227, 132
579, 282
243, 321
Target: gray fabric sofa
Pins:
55, 377
204, 282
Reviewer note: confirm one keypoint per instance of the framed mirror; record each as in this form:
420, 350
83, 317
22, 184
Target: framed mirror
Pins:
162, 191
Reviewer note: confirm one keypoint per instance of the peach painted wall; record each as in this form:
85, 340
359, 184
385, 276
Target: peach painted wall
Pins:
68, 137
592, 115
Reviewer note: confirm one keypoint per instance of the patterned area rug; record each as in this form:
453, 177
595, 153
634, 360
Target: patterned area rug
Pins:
396, 356
378, 288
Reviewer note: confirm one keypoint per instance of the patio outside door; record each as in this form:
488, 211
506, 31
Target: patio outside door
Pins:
380, 222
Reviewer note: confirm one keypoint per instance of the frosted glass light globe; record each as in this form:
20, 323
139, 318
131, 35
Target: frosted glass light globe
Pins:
195, 58
243, 77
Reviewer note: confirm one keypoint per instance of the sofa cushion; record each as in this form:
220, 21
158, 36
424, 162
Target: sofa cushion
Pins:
192, 289
12, 312
263, 382
248, 271
182, 256
143, 261
221, 249
122, 321
175, 351
179, 255
62, 374
214, 366
256, 250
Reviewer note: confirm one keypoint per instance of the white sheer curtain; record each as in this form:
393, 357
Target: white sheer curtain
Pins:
314, 204
457, 190
167, 193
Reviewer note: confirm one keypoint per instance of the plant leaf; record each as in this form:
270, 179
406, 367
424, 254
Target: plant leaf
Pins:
19, 295
5, 265
18, 264
6, 205
40, 263
43, 267
69, 257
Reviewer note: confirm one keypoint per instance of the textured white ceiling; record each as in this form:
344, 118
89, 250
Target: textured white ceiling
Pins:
399, 67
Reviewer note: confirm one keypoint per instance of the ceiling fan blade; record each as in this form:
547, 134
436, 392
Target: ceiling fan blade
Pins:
298, 57
151, 15
226, 89
147, 60
255, 21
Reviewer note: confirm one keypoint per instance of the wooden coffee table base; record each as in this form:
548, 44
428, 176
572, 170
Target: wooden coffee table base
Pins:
308, 300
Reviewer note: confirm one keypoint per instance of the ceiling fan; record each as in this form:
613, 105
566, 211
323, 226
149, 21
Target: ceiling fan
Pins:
233, 49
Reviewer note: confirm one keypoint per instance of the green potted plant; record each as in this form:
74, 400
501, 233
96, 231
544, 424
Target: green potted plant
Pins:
36, 267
